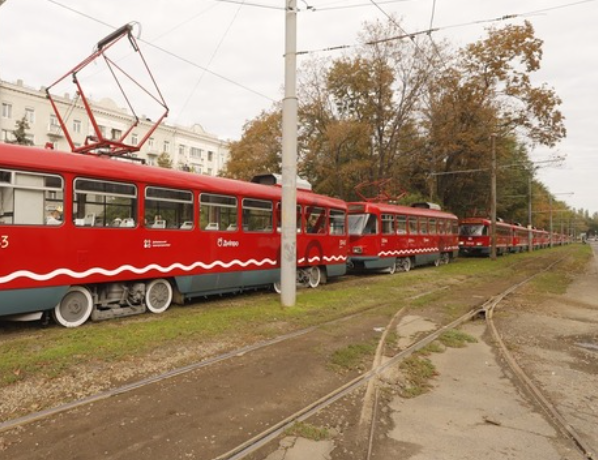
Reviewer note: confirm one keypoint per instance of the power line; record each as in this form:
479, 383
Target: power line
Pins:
432, 30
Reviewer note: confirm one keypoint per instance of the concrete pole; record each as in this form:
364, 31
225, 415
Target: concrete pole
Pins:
550, 204
493, 200
288, 256
530, 246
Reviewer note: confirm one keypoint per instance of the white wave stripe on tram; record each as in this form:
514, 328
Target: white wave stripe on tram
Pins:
410, 251
130, 268
326, 259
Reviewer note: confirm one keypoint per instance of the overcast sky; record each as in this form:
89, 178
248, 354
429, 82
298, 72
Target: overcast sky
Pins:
242, 47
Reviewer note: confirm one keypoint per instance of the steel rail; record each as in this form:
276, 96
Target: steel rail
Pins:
533, 390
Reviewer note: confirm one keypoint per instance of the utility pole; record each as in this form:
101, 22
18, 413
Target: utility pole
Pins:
550, 207
530, 242
493, 199
288, 249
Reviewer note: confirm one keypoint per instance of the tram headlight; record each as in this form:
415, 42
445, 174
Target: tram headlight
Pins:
357, 250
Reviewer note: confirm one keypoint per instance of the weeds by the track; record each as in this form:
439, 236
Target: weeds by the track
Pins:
308, 431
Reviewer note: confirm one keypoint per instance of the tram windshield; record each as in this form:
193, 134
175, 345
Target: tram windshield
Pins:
473, 230
363, 224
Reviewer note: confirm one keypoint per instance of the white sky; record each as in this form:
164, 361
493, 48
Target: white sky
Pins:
40, 40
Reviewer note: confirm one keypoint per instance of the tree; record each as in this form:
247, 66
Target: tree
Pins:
357, 113
20, 133
488, 90
164, 161
260, 148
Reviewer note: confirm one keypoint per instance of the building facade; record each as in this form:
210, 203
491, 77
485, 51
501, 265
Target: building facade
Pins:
188, 148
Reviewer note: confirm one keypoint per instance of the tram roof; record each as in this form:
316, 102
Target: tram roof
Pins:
107, 168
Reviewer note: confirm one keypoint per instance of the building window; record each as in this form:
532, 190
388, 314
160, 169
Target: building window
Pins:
166, 147
195, 153
6, 110
77, 126
53, 123
210, 156
116, 134
134, 139
30, 115
182, 149
6, 135
151, 145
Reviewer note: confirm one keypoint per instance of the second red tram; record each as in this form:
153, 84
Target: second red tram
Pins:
392, 237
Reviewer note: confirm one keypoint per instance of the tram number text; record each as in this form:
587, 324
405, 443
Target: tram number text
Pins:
3, 241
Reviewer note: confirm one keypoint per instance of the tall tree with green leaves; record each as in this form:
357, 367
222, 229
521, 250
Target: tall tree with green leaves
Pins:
488, 90
164, 161
260, 148
20, 133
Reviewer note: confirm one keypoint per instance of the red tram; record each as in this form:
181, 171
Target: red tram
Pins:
391, 237
474, 237
86, 236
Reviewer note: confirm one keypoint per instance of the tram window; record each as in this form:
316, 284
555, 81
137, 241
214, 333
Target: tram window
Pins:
423, 226
432, 226
454, 227
100, 203
315, 220
413, 225
257, 215
168, 208
28, 198
279, 218
441, 226
401, 225
387, 224
218, 212
337, 222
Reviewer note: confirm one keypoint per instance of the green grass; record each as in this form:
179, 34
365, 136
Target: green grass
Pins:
352, 356
307, 431
418, 371
456, 339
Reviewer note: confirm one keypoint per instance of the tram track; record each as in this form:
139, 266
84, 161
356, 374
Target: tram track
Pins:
254, 443
547, 406
369, 378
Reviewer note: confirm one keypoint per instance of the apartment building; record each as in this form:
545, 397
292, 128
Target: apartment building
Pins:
189, 148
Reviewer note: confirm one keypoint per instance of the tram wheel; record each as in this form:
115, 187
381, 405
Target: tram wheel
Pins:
314, 276
445, 258
393, 268
405, 264
277, 287
437, 262
75, 307
158, 295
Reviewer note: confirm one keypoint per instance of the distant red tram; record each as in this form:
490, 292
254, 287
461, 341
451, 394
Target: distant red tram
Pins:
84, 236
474, 237
392, 237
